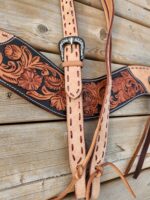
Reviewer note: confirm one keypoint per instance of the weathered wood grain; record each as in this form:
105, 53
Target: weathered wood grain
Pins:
14, 108
34, 157
37, 21
126, 9
47, 188
35, 152
143, 3
116, 189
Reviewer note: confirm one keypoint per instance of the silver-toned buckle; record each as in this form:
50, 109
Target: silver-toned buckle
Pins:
72, 40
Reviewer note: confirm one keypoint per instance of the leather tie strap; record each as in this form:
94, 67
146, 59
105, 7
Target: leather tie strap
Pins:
145, 138
99, 171
73, 88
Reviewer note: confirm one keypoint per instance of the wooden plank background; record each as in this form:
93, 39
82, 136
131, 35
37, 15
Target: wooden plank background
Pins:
33, 143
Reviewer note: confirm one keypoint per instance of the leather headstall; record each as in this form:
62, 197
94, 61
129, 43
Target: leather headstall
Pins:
63, 92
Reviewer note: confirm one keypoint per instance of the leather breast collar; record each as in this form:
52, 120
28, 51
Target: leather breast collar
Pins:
48, 91
63, 92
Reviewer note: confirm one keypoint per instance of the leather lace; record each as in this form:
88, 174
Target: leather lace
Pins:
99, 171
145, 137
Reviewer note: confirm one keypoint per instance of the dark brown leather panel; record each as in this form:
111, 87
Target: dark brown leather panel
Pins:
36, 78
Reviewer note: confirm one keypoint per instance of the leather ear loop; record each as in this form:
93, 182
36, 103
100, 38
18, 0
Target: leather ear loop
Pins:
145, 137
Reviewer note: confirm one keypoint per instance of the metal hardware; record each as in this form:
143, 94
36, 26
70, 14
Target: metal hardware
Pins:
72, 40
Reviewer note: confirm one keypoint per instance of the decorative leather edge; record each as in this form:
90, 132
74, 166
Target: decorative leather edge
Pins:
5, 37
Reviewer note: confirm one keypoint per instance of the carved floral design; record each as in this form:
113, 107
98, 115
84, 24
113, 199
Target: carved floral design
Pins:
124, 88
93, 94
29, 73
45, 83
13, 52
30, 80
90, 102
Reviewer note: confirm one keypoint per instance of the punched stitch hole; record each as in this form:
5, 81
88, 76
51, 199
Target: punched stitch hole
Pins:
77, 91
70, 4
68, 88
103, 154
82, 150
96, 157
71, 134
104, 144
70, 122
79, 160
72, 147
100, 128
99, 162
73, 157
81, 140
97, 148
80, 127
79, 116
70, 110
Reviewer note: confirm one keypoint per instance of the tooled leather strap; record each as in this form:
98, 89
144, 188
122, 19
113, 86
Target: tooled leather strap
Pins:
102, 124
73, 88
100, 147
145, 141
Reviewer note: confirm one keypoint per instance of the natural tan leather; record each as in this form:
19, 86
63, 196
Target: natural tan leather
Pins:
72, 64
100, 134
4, 37
75, 178
101, 143
139, 73
99, 171
73, 88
